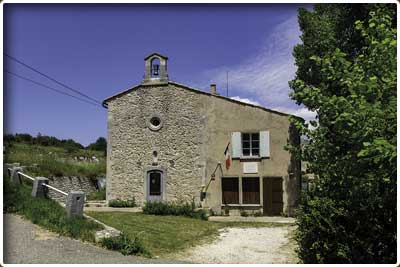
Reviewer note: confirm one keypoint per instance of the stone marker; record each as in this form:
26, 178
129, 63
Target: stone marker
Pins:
38, 190
15, 179
75, 203
7, 166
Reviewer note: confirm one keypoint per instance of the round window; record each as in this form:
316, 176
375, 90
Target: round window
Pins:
155, 123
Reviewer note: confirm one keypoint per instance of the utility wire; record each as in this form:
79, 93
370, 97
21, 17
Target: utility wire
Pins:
52, 79
51, 88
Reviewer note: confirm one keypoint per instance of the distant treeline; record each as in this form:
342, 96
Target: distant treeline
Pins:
44, 140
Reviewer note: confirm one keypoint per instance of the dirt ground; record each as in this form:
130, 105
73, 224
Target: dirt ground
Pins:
247, 246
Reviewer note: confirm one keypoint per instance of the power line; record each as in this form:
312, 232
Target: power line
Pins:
52, 79
51, 88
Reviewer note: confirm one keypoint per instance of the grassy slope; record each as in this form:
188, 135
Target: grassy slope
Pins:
46, 212
55, 161
167, 234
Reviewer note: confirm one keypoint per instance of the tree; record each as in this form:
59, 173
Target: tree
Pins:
99, 145
347, 74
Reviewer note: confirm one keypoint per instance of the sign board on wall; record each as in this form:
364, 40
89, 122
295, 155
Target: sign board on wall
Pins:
250, 167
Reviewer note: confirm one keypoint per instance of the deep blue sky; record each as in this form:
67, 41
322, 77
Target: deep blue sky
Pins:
99, 50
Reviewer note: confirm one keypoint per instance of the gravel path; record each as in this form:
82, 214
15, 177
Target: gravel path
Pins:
25, 242
246, 246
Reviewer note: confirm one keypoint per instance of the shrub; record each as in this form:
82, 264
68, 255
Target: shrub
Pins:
172, 208
244, 213
97, 195
125, 245
118, 203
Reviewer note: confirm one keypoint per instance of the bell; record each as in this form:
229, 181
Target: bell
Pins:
155, 69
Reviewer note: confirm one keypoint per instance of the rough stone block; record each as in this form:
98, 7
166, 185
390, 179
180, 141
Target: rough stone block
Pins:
15, 179
106, 233
38, 190
8, 166
75, 203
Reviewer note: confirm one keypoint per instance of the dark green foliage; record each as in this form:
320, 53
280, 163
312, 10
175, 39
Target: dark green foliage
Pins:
347, 74
244, 213
118, 203
177, 209
42, 140
97, 195
46, 213
125, 245
99, 145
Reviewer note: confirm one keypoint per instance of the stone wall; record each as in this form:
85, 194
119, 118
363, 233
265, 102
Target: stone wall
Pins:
196, 130
179, 142
68, 184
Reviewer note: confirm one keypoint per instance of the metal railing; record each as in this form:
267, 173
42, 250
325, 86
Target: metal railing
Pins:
46, 185
55, 189
26, 176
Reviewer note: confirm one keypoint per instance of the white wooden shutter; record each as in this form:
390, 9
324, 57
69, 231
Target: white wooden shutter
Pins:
236, 142
264, 144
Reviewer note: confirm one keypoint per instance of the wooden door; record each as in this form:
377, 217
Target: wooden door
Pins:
273, 196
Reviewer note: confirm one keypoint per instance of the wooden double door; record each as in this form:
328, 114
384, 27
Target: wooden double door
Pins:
273, 196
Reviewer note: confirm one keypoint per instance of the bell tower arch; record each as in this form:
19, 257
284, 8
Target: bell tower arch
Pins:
155, 69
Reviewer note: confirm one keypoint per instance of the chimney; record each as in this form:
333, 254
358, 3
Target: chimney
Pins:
213, 89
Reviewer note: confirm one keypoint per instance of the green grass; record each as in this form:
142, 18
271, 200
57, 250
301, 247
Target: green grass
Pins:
55, 161
168, 234
46, 213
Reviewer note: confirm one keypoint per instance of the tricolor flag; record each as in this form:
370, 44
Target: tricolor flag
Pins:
227, 157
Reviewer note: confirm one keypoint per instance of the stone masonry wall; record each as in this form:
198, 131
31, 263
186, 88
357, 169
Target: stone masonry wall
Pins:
179, 143
68, 184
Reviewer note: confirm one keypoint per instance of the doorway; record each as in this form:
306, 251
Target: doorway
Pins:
155, 185
273, 196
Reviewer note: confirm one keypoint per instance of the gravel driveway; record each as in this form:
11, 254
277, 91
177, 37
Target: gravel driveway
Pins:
246, 246
25, 242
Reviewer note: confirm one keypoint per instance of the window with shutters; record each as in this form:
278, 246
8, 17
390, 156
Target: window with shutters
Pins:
250, 144
230, 190
251, 190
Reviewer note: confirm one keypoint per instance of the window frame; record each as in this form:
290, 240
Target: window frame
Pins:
250, 140
258, 201
222, 191
240, 192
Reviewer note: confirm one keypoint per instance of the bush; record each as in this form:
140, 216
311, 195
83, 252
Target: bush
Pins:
125, 245
177, 209
97, 195
244, 213
118, 203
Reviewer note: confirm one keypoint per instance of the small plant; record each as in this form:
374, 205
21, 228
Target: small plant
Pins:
118, 203
243, 213
226, 212
177, 209
257, 214
125, 245
97, 195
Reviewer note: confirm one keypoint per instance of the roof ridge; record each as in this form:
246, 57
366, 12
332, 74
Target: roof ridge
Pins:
197, 91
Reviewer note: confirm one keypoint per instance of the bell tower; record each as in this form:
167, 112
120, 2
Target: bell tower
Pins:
155, 69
